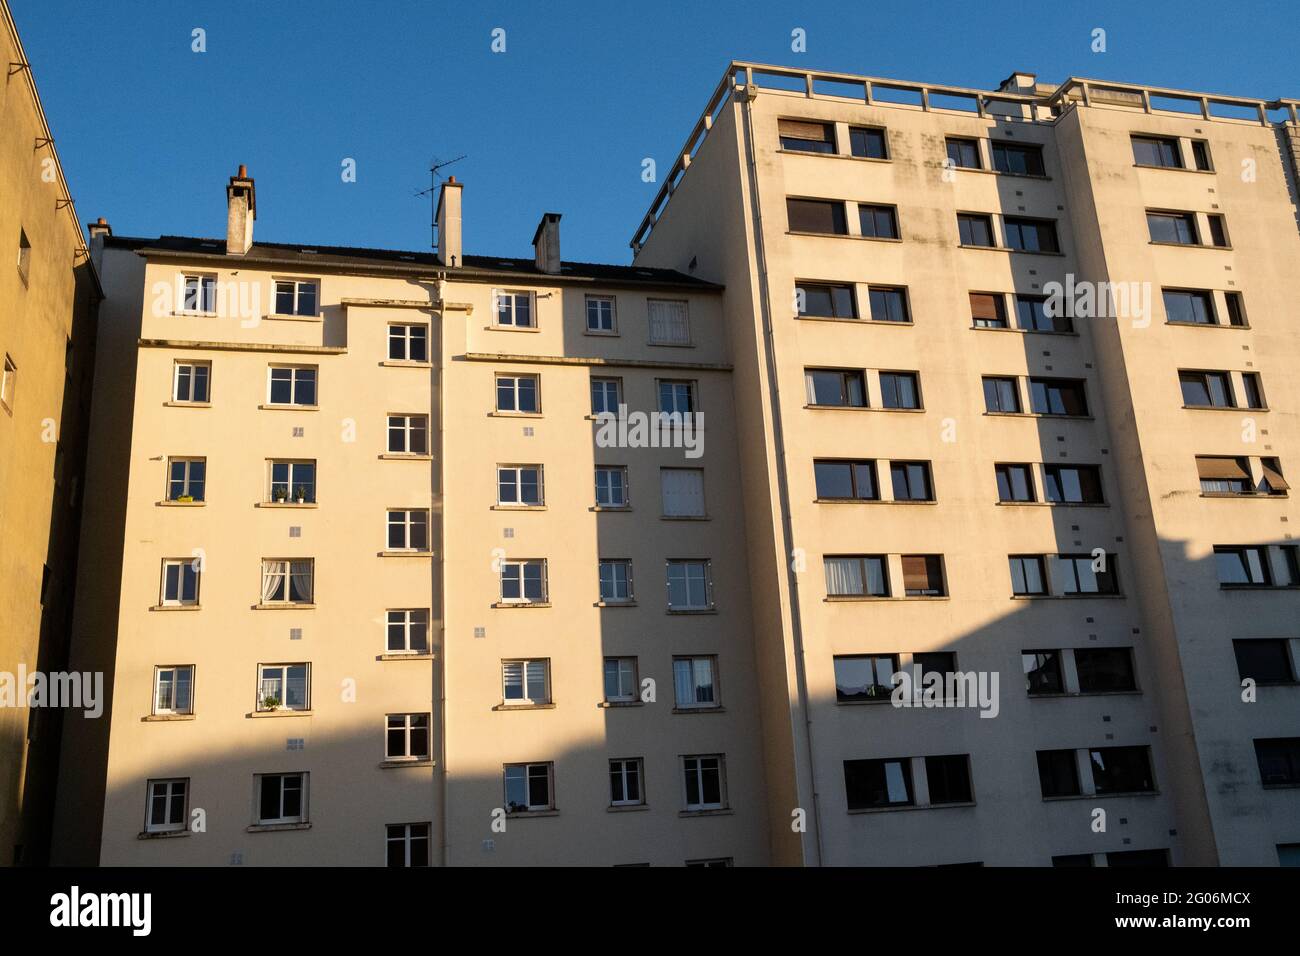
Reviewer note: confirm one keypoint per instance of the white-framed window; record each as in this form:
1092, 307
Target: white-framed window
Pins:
695, 683
523, 581
291, 385
704, 782
167, 805
287, 580
528, 787
676, 396
620, 680
296, 297
406, 737
283, 687
186, 479
611, 486
199, 294
407, 844
690, 585
519, 485
408, 434
408, 530
292, 481
601, 317
190, 382
606, 395
683, 492
408, 343
526, 682
616, 581
173, 689
625, 788
520, 394
280, 798
670, 322
9, 383
407, 631
180, 582
515, 309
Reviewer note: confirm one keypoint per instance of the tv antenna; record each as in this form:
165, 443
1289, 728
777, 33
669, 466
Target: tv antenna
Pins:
435, 178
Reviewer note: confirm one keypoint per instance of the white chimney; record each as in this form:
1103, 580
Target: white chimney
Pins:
241, 210
98, 232
546, 244
447, 217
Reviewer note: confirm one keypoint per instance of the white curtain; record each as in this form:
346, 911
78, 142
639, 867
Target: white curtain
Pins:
844, 576
668, 322
683, 492
273, 575
301, 581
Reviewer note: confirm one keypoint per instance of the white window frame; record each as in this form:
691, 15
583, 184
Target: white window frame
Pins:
515, 379
692, 662
169, 785
526, 668
681, 323
663, 493
407, 726
204, 290
291, 485
404, 335
527, 768
698, 772
631, 671
282, 681
407, 839
298, 285
621, 470
179, 600
509, 567
410, 519
175, 670
692, 394
176, 382
508, 299
294, 384
707, 564
618, 393
405, 423
629, 596
304, 785
512, 475
411, 617
186, 490
637, 766
598, 301
283, 569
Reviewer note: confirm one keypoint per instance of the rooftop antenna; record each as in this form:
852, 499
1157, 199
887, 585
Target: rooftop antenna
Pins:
435, 178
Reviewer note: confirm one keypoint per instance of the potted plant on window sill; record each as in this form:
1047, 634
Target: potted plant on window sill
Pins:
184, 499
301, 494
270, 703
281, 495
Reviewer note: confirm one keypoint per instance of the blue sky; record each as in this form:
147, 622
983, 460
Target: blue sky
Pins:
149, 131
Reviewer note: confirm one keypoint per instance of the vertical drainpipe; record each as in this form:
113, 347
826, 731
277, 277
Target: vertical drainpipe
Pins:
782, 479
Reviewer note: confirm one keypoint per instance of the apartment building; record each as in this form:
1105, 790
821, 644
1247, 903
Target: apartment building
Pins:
48, 292
1012, 399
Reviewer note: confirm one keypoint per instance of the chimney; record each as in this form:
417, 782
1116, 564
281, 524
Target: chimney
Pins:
1019, 82
241, 210
546, 244
447, 217
98, 232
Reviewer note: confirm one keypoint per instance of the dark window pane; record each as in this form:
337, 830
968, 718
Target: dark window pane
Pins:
1104, 670
1058, 773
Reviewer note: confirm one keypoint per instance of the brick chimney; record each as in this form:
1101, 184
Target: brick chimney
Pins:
98, 232
447, 216
546, 244
241, 210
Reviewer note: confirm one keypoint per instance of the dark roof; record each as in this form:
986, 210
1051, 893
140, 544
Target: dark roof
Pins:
343, 257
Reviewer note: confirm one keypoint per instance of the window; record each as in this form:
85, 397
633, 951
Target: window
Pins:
406, 737
620, 680
864, 677
1058, 774
690, 586
1017, 159
669, 322
868, 141
878, 222
1236, 308
1105, 670
949, 779
24, 255
1043, 674
1157, 151
963, 153
185, 479
1189, 307
189, 381
1076, 574
293, 481
822, 216
408, 434
1253, 390
806, 137
523, 582
292, 385
888, 304
407, 844
1001, 394
606, 396
615, 581
519, 485
281, 798
1032, 314
1028, 579
825, 301
872, 784
200, 294
168, 805
845, 480
1249, 566
1201, 155
1224, 476
1072, 484
900, 390
836, 388
600, 314
515, 310
173, 689
287, 581
625, 783
1207, 389
295, 297
1288, 854
526, 682
408, 530
611, 486
1279, 761
676, 397
1218, 230
1030, 235
975, 229
1272, 483
923, 575
528, 787
408, 343
1175, 227
911, 480
683, 492
858, 575
988, 310
1264, 660
180, 582
518, 393
694, 683
1015, 482
704, 781
1057, 396
283, 687
1121, 770
408, 631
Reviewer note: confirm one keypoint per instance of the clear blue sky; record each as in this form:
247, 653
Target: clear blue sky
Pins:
149, 131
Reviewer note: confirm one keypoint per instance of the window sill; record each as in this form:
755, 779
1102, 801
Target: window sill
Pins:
671, 345
399, 363
505, 707
283, 712
1188, 245
864, 408
181, 504
267, 406
809, 152
912, 806
285, 606
871, 702
685, 518
521, 604
1223, 408
1072, 695
278, 317
177, 607
188, 314
499, 414
1044, 415
405, 554
692, 610
1259, 587
996, 328
851, 320
1250, 496
274, 827
1101, 796
854, 598
511, 328
610, 508
626, 808
286, 504
161, 834
843, 235
518, 508
1064, 597
601, 333
608, 704
524, 814
159, 718
717, 812
699, 710
1175, 169
404, 456
612, 604
1205, 325
404, 657
1052, 504
398, 764
1280, 786
187, 404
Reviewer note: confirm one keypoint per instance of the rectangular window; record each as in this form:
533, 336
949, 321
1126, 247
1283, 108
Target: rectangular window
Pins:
620, 680
949, 779
168, 805
408, 343
1253, 390
900, 390
805, 136
845, 480
676, 397
518, 394
856, 575
611, 486
1034, 315
1015, 482
1018, 160
407, 631
670, 322
1189, 307
868, 141
1264, 660
865, 677
1207, 389
690, 586
1236, 308
200, 294
408, 434
878, 222
291, 385
1173, 227
1201, 155
694, 683
1157, 151
975, 229
295, 297
1028, 579
1279, 761
1058, 774
283, 687
873, 784
186, 478
1250, 566
406, 737
600, 314
988, 310
523, 582
625, 783
1218, 230
911, 480
408, 530
1030, 235
1078, 574
1058, 396
836, 388
1072, 484
704, 782
407, 844
515, 310
606, 395
1224, 476
963, 153
1121, 770
1105, 670
615, 577
190, 381
683, 492
24, 255
292, 481
526, 682
173, 689
824, 301
281, 798
923, 575
1001, 394
1272, 483
1043, 674
820, 216
528, 787
180, 582
287, 581
519, 485
888, 304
